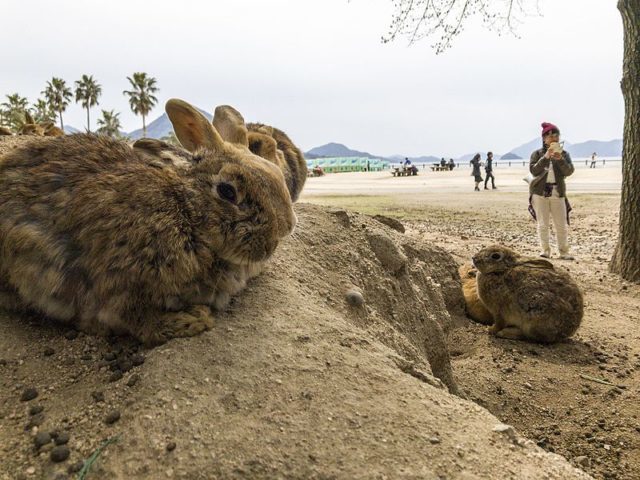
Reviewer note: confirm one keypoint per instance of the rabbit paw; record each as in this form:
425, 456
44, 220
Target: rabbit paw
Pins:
511, 333
170, 325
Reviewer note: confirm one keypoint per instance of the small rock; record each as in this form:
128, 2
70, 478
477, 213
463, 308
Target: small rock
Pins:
112, 417
60, 453
582, 461
171, 446
109, 356
30, 470
36, 409
508, 430
62, 438
133, 379
41, 438
115, 376
354, 298
28, 394
137, 359
98, 396
35, 421
75, 467
48, 351
434, 440
71, 334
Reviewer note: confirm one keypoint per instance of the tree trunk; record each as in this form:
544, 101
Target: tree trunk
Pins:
144, 128
61, 124
626, 256
88, 124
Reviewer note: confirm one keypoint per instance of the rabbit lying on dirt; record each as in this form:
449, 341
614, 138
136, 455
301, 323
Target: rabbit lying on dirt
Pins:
528, 297
93, 234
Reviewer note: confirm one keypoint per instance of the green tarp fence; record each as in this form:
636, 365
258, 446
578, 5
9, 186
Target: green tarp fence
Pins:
348, 164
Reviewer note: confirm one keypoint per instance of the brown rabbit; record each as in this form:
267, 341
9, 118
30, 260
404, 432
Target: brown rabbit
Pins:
528, 297
474, 306
263, 140
93, 234
277, 147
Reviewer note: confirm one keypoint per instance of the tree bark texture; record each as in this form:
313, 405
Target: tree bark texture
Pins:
626, 257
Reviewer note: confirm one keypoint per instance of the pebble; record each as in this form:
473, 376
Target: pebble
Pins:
354, 298
41, 438
112, 417
30, 470
133, 379
28, 394
71, 334
582, 461
434, 440
115, 376
75, 467
109, 356
98, 396
62, 438
36, 409
60, 453
137, 359
48, 351
35, 421
506, 429
171, 446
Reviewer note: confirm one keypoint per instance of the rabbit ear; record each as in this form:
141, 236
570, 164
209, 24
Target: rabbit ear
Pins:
230, 124
536, 263
263, 146
28, 118
191, 127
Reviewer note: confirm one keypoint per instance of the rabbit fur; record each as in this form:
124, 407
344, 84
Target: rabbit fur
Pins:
528, 298
93, 233
473, 305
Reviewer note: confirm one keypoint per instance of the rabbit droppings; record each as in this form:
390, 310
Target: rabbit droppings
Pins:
474, 307
528, 297
94, 234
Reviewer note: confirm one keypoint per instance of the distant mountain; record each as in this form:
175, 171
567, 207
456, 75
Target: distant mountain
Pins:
160, 127
510, 156
336, 150
612, 148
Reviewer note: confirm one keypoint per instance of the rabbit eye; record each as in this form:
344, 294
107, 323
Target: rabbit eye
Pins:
496, 256
227, 192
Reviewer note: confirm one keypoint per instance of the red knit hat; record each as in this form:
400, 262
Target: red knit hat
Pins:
547, 127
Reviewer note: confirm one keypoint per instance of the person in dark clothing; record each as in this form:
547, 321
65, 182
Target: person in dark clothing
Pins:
488, 169
451, 164
443, 162
475, 163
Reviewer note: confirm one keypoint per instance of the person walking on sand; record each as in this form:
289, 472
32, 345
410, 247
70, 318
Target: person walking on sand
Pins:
475, 163
593, 160
550, 165
488, 170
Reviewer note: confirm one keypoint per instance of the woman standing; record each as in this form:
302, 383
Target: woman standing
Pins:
550, 165
475, 162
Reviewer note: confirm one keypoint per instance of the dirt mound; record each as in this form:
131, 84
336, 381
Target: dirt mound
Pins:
298, 379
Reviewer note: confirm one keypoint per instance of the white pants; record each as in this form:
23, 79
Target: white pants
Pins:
556, 206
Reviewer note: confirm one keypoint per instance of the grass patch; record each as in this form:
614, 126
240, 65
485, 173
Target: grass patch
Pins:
88, 463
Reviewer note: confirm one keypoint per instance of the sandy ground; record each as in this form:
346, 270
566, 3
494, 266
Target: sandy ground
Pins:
537, 388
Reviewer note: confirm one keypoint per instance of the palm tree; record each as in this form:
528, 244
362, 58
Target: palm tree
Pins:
109, 124
58, 96
141, 98
13, 110
42, 111
87, 92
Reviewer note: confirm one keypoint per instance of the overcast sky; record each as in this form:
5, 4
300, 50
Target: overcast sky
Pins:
318, 70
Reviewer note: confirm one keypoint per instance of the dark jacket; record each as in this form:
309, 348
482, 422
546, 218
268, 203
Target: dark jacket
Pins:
561, 168
475, 163
488, 166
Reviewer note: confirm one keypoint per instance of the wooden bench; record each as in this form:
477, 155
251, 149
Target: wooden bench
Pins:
436, 167
402, 172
